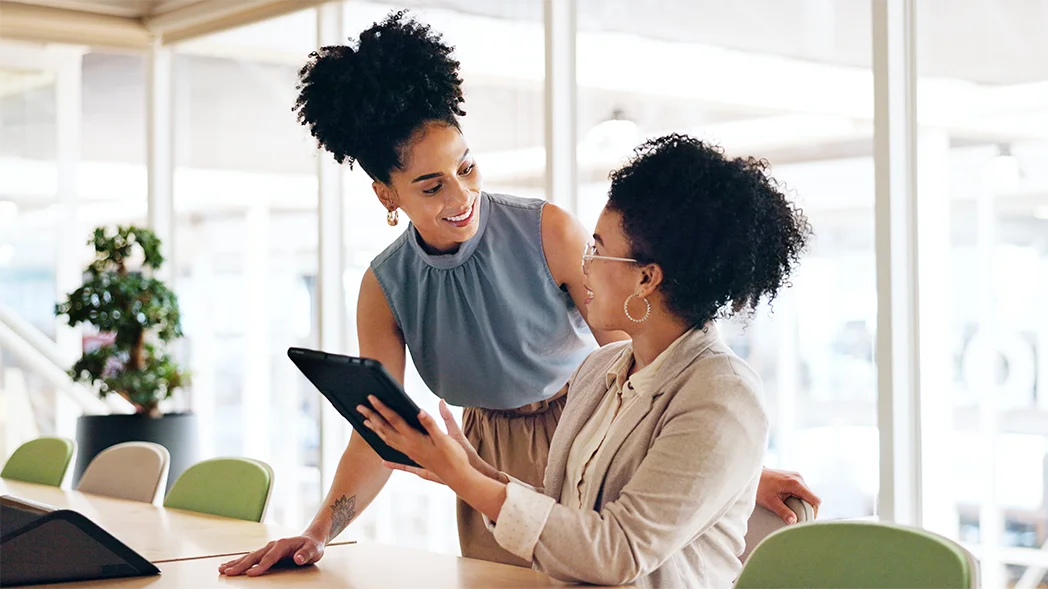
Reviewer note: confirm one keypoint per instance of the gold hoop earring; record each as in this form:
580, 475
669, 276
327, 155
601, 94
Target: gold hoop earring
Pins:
626, 308
393, 217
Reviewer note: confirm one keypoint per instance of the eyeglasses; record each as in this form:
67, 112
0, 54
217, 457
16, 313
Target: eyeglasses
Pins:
591, 254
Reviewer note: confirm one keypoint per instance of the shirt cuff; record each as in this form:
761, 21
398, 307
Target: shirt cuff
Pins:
512, 479
521, 519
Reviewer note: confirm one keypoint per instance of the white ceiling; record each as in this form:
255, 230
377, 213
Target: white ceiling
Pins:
986, 41
126, 8
133, 24
953, 35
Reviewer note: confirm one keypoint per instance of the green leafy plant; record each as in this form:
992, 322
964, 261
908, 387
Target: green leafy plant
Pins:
137, 311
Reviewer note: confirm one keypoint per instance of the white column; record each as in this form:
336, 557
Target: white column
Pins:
938, 506
160, 155
331, 296
898, 341
256, 396
991, 518
1042, 345
202, 360
561, 119
70, 246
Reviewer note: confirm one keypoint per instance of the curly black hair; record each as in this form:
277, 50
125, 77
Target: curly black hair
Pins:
721, 229
362, 104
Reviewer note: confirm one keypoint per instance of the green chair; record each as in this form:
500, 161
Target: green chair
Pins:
229, 487
43, 461
857, 555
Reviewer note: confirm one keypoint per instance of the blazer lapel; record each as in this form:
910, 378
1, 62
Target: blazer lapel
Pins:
586, 393
622, 428
696, 343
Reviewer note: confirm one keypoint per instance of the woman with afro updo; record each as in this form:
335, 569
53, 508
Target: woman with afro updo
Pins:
485, 290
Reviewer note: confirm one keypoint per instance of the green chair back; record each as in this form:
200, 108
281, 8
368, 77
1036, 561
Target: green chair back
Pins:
857, 555
43, 461
229, 487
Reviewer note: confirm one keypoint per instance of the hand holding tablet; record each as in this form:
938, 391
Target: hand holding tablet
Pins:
346, 382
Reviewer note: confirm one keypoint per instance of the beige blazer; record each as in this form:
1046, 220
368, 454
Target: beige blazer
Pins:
679, 481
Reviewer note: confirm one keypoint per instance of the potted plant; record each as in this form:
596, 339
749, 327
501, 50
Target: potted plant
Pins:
135, 314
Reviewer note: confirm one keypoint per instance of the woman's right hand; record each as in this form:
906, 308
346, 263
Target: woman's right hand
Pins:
454, 432
302, 550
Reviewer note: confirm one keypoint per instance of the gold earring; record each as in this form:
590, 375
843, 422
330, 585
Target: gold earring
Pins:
393, 217
626, 308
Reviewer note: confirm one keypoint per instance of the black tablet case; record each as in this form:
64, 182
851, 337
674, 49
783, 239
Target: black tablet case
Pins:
347, 381
44, 545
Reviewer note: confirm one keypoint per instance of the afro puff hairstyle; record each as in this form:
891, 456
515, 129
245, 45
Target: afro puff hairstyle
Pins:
722, 231
363, 103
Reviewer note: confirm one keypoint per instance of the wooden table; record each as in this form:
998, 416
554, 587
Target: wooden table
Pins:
355, 565
159, 534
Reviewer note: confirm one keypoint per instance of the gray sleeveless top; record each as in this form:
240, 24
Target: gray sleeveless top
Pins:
486, 326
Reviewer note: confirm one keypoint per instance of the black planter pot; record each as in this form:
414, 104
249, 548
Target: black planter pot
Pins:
175, 431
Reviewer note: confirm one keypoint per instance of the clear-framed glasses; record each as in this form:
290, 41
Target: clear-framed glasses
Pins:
591, 254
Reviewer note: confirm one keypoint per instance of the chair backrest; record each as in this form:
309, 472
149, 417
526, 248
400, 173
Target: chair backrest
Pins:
857, 555
132, 470
229, 487
763, 522
43, 461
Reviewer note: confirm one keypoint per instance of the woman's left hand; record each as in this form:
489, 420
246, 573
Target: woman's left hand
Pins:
776, 486
440, 455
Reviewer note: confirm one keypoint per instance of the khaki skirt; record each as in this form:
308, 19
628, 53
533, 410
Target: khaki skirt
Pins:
517, 443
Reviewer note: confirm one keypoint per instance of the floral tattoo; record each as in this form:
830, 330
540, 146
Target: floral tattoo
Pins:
343, 510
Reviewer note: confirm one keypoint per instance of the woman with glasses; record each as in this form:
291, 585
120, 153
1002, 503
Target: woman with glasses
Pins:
484, 290
653, 470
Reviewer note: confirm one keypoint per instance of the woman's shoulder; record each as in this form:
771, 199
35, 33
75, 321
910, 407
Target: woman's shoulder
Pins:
511, 202
718, 376
391, 250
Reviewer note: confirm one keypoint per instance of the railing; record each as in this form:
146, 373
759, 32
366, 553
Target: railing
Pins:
40, 354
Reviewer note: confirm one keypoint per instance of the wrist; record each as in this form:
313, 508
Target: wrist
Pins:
462, 478
317, 535
483, 467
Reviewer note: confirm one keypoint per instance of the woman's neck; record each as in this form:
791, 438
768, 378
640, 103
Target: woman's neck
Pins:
653, 337
436, 249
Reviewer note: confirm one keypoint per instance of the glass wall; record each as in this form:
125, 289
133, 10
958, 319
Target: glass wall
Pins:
72, 136
28, 191
28, 242
245, 198
983, 110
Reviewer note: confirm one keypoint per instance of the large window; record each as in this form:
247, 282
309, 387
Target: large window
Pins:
28, 188
72, 133
28, 242
983, 113
245, 198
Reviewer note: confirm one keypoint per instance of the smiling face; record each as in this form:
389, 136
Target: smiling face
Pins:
610, 282
438, 188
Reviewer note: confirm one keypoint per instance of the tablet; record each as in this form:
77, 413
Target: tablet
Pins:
347, 381
42, 544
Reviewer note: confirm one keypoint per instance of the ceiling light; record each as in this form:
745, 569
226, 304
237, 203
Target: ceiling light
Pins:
1003, 171
615, 136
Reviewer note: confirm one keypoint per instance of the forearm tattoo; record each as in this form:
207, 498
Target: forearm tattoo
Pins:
343, 511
